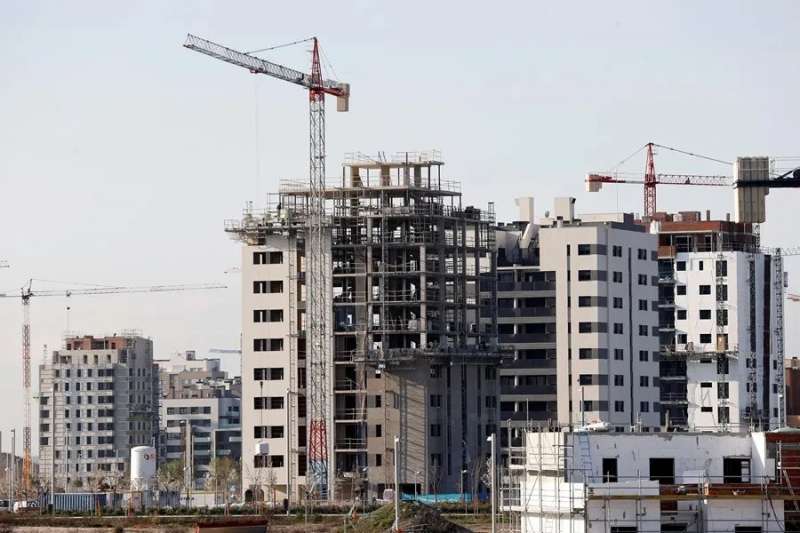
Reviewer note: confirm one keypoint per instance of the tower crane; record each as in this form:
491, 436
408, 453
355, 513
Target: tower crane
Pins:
316, 252
3, 263
595, 181
26, 293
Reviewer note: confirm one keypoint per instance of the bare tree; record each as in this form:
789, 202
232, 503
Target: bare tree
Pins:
477, 474
435, 480
225, 474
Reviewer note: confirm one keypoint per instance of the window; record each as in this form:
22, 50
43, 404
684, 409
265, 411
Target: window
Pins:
267, 374
619, 354
722, 391
592, 353
642, 279
618, 328
722, 293
436, 430
268, 315
267, 287
584, 249
722, 268
641, 253
436, 400
722, 317
644, 381
617, 277
705, 385
259, 287
644, 407
268, 432
592, 327
378, 459
378, 430
267, 345
619, 380
680, 266
268, 402
705, 338
644, 355
616, 251
642, 330
489, 373
619, 406
609, 470
706, 409
592, 275
705, 314
680, 314
680, 290
617, 302
642, 305
275, 258
699, 265
259, 258
704, 289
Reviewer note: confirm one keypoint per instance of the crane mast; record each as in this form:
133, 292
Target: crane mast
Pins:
317, 249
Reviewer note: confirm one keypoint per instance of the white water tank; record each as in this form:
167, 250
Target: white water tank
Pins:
143, 467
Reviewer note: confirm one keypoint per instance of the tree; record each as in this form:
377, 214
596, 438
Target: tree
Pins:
225, 474
171, 475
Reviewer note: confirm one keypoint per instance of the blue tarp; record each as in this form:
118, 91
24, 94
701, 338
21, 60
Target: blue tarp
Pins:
453, 497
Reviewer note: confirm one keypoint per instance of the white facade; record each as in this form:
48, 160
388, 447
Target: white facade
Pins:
269, 359
606, 317
725, 302
615, 482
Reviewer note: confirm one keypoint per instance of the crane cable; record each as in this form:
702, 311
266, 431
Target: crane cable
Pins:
692, 154
279, 46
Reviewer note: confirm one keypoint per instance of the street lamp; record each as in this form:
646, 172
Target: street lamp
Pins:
396, 484
416, 473
491, 439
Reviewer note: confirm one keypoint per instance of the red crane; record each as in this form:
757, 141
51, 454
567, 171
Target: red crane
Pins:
595, 181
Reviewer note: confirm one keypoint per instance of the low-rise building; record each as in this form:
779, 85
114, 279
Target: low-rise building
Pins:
648, 482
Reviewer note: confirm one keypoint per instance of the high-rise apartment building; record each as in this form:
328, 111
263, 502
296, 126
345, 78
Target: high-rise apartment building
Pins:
200, 415
406, 355
577, 304
721, 319
98, 398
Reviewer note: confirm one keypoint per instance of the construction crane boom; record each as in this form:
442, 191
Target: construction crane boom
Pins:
256, 65
317, 248
26, 293
595, 181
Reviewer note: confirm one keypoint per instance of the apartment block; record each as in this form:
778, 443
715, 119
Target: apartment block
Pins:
200, 415
577, 305
721, 321
98, 398
406, 355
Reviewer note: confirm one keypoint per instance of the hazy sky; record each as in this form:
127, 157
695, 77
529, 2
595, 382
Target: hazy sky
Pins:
122, 153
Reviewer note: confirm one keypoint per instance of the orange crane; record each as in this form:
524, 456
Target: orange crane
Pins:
316, 252
26, 293
595, 180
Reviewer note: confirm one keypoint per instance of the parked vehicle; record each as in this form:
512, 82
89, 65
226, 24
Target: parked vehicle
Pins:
25, 506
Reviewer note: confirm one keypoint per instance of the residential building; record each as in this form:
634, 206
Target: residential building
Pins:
646, 482
98, 398
577, 305
200, 415
792, 392
405, 356
721, 323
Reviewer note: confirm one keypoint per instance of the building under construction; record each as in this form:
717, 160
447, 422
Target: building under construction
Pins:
690, 482
404, 354
721, 324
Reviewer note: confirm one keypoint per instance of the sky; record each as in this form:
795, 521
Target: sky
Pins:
122, 153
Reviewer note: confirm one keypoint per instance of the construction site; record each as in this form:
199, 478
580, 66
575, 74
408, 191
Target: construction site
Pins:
404, 263
693, 482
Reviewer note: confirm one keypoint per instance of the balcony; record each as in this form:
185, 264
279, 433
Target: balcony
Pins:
347, 414
519, 338
516, 416
528, 389
347, 385
508, 286
673, 397
503, 312
351, 444
666, 278
530, 363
